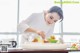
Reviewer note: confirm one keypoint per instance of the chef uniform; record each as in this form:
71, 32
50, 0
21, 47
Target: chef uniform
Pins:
36, 21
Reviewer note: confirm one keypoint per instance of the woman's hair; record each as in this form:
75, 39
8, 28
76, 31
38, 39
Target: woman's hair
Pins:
57, 10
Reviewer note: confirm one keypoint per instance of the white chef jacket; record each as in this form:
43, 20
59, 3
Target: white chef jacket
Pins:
36, 21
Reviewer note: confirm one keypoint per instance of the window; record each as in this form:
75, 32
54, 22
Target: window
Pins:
71, 38
71, 21
8, 15
8, 36
8, 19
71, 18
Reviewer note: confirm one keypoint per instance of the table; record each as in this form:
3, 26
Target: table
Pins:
36, 51
39, 51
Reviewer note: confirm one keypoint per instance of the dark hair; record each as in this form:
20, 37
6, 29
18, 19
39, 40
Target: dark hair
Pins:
57, 10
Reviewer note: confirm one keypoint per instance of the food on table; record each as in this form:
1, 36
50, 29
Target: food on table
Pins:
35, 40
74, 46
51, 39
45, 41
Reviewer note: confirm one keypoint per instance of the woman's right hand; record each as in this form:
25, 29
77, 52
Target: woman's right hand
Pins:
41, 33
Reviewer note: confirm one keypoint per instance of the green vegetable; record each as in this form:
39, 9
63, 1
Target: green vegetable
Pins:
52, 40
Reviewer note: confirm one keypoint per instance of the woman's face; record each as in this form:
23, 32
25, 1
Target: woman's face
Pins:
52, 18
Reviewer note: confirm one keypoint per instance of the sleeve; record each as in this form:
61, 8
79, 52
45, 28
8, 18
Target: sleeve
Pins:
24, 24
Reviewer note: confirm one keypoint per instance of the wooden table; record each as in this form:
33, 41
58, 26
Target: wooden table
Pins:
37, 51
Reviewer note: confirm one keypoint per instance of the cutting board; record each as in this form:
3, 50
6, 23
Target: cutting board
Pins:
44, 46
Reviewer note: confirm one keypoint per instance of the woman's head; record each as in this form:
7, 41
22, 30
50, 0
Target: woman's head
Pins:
54, 14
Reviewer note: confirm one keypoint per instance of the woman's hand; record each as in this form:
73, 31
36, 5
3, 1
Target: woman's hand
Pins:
41, 33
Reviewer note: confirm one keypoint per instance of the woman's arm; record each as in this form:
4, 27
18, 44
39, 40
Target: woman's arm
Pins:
41, 33
24, 27
30, 30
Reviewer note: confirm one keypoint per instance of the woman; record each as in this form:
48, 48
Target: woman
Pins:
41, 23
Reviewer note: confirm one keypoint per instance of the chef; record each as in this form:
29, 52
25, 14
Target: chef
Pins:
41, 23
